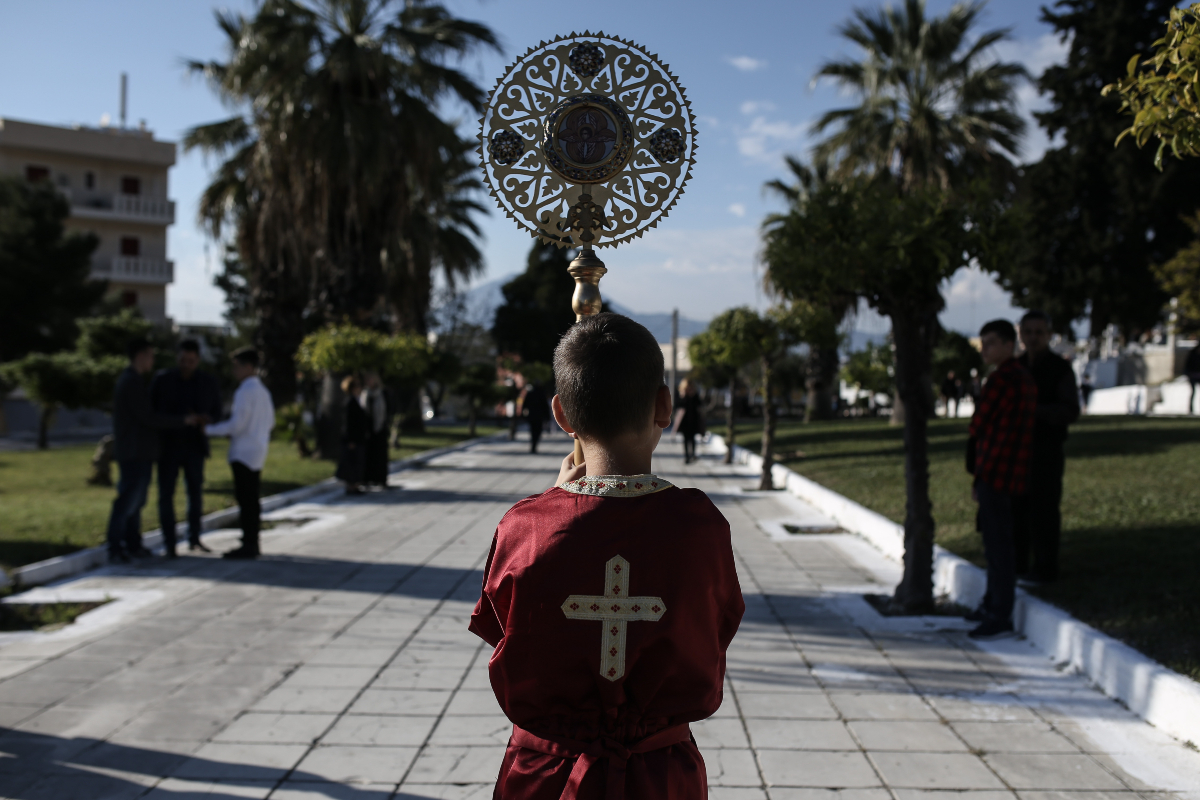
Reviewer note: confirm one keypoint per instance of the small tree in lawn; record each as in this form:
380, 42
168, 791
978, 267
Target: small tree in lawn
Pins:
478, 385
64, 380
346, 349
871, 370
713, 364
744, 336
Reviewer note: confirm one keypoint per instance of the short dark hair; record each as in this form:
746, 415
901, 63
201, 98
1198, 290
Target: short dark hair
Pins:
245, 355
136, 346
1002, 328
1036, 314
608, 370
189, 346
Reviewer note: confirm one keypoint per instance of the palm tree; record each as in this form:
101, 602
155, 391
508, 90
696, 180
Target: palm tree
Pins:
339, 160
935, 113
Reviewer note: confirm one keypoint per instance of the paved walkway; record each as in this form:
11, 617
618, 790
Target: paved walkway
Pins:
340, 667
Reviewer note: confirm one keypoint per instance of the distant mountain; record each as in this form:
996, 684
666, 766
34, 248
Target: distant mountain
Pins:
480, 304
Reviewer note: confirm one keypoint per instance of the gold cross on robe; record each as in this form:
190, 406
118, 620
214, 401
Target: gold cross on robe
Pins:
616, 609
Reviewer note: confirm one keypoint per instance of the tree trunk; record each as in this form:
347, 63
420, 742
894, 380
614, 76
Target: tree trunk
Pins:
768, 435
44, 420
914, 333
729, 426
474, 413
412, 418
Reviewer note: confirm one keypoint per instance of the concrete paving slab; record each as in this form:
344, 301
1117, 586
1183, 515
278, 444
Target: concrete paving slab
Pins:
340, 667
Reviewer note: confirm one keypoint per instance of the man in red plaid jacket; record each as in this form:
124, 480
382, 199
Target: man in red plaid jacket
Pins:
998, 455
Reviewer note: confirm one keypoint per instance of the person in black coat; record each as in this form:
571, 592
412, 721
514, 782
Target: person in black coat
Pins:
689, 418
135, 430
536, 408
376, 407
1037, 514
184, 389
357, 431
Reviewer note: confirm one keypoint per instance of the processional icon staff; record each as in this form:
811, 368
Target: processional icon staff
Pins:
587, 141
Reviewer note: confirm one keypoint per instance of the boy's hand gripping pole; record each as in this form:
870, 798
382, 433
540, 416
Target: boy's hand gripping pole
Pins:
587, 270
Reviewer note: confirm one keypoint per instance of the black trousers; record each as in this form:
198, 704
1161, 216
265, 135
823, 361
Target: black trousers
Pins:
536, 424
246, 485
689, 447
169, 465
1037, 516
996, 525
125, 521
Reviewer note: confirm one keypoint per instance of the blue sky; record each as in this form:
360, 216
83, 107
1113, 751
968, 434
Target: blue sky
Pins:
747, 67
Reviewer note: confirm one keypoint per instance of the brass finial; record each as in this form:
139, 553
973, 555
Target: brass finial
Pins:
587, 270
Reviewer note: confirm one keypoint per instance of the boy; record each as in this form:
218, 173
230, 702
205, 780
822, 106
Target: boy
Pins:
998, 453
610, 598
249, 430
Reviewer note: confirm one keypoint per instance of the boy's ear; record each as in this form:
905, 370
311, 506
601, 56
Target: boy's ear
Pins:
662, 407
560, 416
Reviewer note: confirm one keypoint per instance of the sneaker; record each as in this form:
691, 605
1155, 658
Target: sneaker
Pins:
141, 552
990, 630
978, 615
118, 557
241, 553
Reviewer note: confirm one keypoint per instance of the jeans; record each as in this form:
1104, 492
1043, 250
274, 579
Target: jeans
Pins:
689, 447
996, 525
169, 465
535, 433
246, 485
1037, 517
125, 520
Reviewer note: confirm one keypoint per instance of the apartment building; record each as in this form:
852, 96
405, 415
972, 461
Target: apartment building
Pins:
116, 182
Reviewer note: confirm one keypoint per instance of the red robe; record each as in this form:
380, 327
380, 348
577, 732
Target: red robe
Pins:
610, 602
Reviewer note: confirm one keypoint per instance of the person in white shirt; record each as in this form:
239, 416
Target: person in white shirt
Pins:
249, 430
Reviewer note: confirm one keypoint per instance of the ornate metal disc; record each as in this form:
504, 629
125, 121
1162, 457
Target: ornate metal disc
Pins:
587, 140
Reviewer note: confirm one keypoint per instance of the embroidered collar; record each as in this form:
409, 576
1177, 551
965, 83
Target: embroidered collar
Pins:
617, 485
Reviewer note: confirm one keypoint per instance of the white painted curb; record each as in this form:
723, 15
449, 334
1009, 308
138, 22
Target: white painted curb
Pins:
1160, 696
51, 569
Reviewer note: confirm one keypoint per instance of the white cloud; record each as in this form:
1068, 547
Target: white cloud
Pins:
752, 107
1036, 55
764, 140
746, 63
737, 209
972, 298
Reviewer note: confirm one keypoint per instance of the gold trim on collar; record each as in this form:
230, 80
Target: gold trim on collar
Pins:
617, 485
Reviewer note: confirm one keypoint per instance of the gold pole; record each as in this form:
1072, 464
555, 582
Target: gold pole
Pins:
587, 270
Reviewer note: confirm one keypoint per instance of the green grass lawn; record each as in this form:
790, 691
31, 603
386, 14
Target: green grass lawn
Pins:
1131, 514
47, 508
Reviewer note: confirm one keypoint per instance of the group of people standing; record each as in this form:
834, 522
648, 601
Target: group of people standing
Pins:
1016, 454
167, 421
365, 434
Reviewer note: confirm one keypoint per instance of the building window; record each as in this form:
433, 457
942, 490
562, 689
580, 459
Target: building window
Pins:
131, 185
129, 299
89, 180
34, 173
131, 246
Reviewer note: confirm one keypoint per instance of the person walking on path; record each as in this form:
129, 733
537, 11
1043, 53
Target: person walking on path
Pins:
1038, 514
184, 389
689, 418
353, 460
610, 598
951, 394
249, 430
1191, 368
375, 404
998, 455
136, 447
536, 408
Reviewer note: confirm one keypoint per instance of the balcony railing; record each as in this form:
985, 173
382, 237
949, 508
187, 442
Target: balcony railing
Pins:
129, 207
133, 269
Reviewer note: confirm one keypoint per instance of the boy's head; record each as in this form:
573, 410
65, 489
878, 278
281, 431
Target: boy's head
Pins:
608, 371
245, 363
998, 340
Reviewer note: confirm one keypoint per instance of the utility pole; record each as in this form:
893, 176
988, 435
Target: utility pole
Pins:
674, 352
124, 94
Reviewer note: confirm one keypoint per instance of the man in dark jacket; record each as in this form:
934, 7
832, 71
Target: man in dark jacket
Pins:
181, 390
135, 429
998, 455
1037, 515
